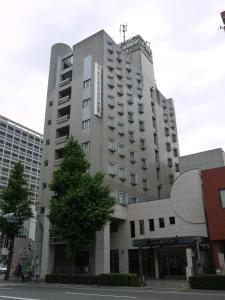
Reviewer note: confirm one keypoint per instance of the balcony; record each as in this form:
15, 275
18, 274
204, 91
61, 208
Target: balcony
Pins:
58, 162
140, 93
110, 64
139, 77
62, 139
128, 67
129, 83
119, 73
119, 57
120, 91
64, 82
63, 100
63, 119
111, 83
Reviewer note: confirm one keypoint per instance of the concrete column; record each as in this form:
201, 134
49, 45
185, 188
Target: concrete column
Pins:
47, 259
156, 262
189, 268
102, 251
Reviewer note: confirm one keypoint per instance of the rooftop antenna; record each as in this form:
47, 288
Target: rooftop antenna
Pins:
123, 28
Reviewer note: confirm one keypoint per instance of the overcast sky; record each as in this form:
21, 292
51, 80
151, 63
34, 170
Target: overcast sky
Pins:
188, 52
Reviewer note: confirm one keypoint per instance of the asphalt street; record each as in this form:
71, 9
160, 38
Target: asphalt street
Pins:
41, 291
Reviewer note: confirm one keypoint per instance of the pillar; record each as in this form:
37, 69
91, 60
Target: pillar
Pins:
102, 251
156, 262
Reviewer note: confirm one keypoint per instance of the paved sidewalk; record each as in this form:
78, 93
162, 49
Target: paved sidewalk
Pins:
179, 284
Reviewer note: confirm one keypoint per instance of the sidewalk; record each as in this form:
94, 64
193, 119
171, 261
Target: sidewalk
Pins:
179, 284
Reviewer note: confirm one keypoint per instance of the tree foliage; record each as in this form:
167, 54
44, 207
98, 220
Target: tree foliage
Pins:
81, 204
14, 199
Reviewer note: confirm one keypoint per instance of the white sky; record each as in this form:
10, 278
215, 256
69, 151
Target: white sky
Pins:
188, 52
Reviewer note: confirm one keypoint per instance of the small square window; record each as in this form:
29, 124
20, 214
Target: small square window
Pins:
49, 122
46, 163
172, 220
44, 185
47, 142
51, 103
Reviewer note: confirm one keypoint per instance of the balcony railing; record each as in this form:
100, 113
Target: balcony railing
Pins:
63, 119
64, 82
63, 100
62, 139
58, 162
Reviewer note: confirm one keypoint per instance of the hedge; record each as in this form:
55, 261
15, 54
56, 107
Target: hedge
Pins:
207, 282
110, 279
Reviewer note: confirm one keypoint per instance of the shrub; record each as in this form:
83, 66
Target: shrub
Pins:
118, 279
72, 279
207, 282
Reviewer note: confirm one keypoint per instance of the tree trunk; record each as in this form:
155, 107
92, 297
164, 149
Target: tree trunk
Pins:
10, 256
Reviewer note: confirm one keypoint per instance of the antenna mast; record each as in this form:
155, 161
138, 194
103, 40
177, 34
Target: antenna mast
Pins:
123, 28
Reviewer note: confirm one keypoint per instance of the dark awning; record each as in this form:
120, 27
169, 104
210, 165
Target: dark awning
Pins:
169, 241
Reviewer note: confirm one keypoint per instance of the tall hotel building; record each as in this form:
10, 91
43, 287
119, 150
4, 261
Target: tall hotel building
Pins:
105, 95
18, 143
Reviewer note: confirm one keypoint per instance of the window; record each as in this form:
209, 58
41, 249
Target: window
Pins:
50, 103
167, 131
122, 198
142, 144
170, 162
171, 177
145, 183
174, 138
141, 125
112, 169
113, 194
85, 146
177, 169
121, 128
87, 83
222, 197
47, 143
168, 147
152, 92
143, 163
130, 115
44, 185
140, 108
122, 173
46, 163
111, 122
172, 220
49, 122
154, 123
133, 178
122, 150
161, 223
131, 136
133, 199
111, 101
132, 156
142, 227
111, 145
155, 139
132, 229
130, 99
120, 108
175, 152
151, 225
86, 124
86, 102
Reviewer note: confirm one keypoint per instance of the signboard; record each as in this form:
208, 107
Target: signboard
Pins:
97, 90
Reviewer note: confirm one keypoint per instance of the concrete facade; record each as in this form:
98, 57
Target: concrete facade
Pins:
105, 95
19, 143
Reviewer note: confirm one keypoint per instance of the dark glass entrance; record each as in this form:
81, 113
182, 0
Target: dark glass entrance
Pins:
172, 263
148, 262
114, 261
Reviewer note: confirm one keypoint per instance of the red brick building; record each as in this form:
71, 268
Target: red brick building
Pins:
213, 181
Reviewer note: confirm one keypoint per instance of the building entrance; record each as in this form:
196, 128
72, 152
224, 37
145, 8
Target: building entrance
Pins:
172, 263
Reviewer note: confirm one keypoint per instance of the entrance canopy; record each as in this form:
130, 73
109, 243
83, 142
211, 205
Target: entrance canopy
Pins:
170, 241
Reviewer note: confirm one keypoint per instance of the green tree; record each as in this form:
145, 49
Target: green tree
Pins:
81, 204
14, 199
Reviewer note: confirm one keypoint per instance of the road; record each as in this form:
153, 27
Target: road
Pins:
41, 291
